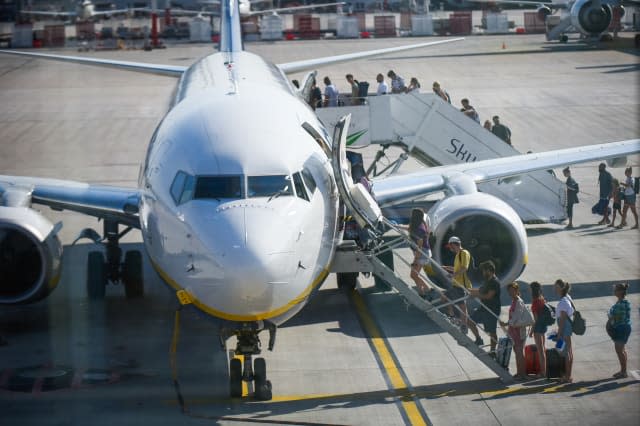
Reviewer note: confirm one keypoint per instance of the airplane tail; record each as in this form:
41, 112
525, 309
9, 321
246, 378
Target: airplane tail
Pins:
230, 29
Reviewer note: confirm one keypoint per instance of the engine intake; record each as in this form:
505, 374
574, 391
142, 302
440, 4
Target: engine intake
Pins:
591, 17
30, 256
543, 12
488, 227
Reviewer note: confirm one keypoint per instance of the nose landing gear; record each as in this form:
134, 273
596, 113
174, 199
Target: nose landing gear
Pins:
253, 370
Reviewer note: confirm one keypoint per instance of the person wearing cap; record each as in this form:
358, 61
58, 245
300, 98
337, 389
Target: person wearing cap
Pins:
500, 130
572, 195
438, 90
459, 278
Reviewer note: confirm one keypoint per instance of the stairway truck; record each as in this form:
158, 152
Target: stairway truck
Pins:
436, 133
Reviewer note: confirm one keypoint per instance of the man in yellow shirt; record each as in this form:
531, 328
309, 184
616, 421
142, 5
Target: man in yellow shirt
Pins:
459, 278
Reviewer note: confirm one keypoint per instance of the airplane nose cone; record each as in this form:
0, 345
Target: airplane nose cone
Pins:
262, 252
252, 249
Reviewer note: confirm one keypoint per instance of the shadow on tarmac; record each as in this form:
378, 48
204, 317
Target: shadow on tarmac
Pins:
486, 389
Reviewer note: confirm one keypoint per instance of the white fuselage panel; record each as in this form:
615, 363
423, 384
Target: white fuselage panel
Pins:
243, 258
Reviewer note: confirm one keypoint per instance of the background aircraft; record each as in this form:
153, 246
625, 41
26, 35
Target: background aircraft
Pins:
243, 221
591, 18
85, 11
244, 8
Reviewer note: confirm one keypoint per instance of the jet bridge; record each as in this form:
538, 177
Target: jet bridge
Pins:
436, 133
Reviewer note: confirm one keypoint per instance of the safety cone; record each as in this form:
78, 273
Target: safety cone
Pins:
504, 46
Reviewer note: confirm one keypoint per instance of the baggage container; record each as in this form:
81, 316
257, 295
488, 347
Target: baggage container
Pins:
54, 36
533, 23
22, 36
385, 26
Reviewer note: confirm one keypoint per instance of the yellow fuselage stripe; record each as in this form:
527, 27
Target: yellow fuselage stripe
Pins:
241, 318
388, 362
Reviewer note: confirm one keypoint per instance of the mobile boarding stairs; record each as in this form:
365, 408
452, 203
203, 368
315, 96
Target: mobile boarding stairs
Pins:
435, 133
368, 215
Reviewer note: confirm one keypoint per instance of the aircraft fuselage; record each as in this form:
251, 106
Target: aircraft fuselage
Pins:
239, 206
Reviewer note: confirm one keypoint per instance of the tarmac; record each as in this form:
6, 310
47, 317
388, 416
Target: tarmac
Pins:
359, 359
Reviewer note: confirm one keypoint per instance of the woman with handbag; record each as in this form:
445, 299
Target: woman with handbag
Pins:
619, 326
519, 319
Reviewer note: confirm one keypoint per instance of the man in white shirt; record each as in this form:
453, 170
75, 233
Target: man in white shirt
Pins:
383, 89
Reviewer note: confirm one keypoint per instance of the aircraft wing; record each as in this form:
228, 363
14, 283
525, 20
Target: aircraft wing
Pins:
48, 13
293, 8
176, 12
291, 67
170, 70
105, 202
178, 70
110, 12
398, 188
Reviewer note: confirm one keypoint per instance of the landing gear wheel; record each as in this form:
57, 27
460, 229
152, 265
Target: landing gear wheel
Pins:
564, 38
347, 280
261, 384
132, 275
235, 378
96, 275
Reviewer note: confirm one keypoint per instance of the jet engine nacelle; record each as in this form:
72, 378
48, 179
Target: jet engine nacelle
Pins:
30, 256
488, 227
591, 17
543, 12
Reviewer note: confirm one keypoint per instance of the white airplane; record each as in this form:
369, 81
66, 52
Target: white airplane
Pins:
591, 18
85, 11
242, 219
244, 8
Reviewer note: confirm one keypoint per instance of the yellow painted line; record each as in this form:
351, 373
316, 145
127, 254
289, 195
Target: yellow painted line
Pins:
384, 355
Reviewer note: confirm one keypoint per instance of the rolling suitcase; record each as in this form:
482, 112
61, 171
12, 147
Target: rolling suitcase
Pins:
555, 363
503, 351
532, 360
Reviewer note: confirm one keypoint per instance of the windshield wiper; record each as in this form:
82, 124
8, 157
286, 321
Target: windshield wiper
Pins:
283, 191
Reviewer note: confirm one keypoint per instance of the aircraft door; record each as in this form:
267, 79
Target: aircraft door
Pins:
355, 196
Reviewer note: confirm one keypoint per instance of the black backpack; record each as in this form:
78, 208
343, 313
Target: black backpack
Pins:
548, 315
578, 323
363, 90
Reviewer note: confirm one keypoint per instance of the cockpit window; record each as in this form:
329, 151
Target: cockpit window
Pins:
269, 186
309, 180
301, 191
182, 187
186, 187
218, 187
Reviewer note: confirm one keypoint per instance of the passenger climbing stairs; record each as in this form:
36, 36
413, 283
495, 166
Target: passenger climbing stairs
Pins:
435, 309
364, 209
